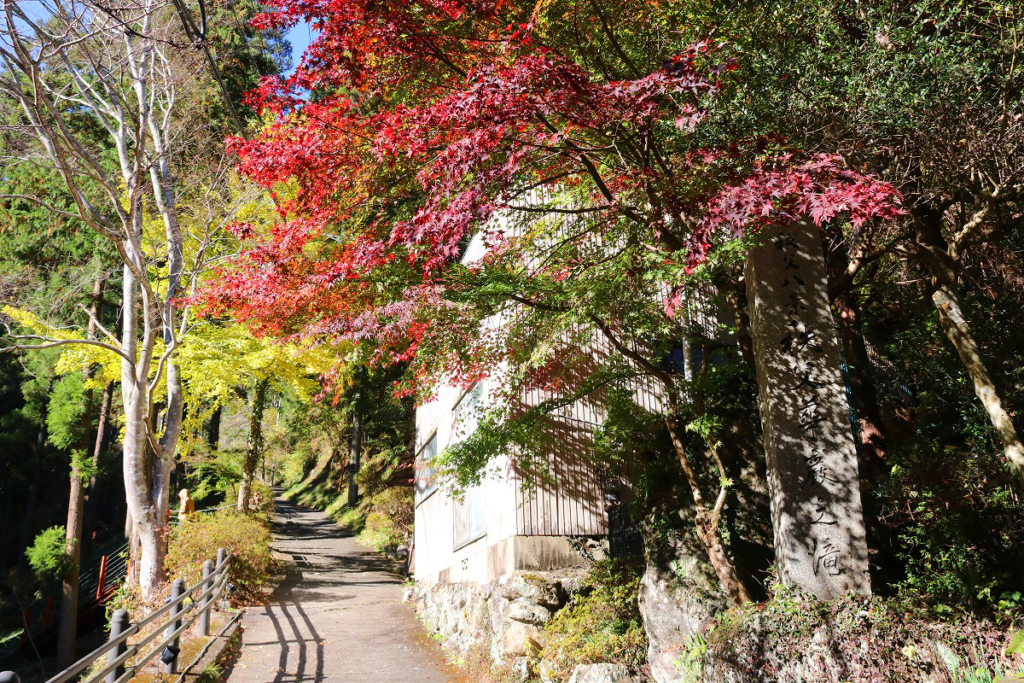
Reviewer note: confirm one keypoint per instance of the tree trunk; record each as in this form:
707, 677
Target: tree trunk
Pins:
934, 251
6, 529
813, 481
355, 449
67, 632
706, 516
160, 495
213, 430
725, 569
708, 529
255, 443
871, 439
141, 473
955, 326
864, 398
151, 556
93, 492
736, 297
129, 76
30, 502
842, 292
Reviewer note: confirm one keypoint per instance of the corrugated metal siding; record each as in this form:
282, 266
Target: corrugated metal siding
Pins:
569, 502
567, 497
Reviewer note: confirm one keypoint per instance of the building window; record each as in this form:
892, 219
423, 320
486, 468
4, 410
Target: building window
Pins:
466, 415
470, 512
426, 480
470, 517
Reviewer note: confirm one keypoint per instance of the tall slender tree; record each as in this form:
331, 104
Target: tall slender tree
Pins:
116, 70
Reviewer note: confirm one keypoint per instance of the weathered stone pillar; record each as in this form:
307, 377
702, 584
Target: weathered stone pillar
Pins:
816, 509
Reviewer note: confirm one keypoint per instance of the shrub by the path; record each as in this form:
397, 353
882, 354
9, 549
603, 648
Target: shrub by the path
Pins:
602, 623
245, 537
390, 518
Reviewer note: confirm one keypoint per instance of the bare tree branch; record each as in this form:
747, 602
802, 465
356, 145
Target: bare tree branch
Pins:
50, 343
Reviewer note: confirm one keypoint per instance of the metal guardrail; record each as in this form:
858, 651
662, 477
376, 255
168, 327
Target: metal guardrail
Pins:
124, 659
96, 582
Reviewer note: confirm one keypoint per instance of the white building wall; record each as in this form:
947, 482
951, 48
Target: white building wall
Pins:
435, 509
507, 511
524, 529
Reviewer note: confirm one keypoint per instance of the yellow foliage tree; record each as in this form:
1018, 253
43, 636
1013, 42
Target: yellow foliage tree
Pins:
220, 359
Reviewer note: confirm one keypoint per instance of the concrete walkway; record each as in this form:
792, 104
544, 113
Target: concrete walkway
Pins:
338, 616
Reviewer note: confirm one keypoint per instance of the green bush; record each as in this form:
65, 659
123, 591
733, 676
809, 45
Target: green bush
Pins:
261, 498
265, 495
296, 465
319, 495
390, 519
600, 624
47, 556
212, 481
956, 523
261, 494
353, 519
245, 537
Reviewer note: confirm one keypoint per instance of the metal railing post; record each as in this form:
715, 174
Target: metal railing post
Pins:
174, 621
204, 615
170, 657
101, 582
119, 623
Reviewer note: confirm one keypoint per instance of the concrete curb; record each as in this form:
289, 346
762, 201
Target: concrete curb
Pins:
217, 650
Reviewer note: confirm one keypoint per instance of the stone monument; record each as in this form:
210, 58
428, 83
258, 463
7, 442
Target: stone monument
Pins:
813, 480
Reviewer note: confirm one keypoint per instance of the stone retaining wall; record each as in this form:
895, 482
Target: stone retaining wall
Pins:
505, 618
506, 615
693, 636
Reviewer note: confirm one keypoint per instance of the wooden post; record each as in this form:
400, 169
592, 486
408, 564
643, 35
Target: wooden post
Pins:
170, 662
101, 584
119, 623
204, 616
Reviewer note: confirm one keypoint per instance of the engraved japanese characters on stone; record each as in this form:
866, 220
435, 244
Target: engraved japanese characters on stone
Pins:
812, 462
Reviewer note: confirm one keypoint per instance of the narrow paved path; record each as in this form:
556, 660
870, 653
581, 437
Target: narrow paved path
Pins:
338, 615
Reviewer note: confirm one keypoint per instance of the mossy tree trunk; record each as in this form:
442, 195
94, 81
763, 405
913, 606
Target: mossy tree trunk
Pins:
255, 443
941, 258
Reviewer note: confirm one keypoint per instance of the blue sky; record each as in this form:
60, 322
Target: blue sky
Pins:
299, 36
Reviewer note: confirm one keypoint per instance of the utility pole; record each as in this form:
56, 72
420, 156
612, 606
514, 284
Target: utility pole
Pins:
353, 458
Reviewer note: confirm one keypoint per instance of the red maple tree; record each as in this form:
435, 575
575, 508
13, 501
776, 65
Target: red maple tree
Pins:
410, 124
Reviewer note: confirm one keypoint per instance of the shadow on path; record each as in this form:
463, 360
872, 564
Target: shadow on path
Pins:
337, 616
